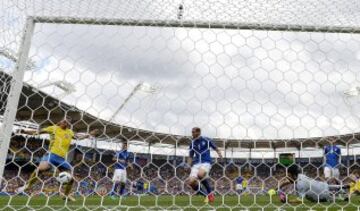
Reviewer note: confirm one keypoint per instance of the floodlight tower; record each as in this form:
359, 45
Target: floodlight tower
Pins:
141, 86
65, 86
11, 56
352, 93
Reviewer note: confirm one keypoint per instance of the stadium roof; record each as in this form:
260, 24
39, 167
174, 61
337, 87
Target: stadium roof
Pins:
43, 109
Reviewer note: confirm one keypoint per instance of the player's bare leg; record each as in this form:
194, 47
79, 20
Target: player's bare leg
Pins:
114, 190
67, 190
43, 166
195, 185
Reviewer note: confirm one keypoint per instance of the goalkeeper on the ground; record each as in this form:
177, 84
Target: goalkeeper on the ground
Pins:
311, 189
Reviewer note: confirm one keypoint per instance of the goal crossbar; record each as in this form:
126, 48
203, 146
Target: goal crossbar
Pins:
197, 24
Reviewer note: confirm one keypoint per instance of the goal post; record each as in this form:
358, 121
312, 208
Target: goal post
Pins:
16, 85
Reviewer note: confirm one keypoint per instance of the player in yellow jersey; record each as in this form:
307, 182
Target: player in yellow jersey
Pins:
60, 139
355, 184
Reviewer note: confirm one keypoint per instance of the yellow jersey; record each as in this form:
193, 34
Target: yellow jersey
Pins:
355, 186
244, 183
60, 139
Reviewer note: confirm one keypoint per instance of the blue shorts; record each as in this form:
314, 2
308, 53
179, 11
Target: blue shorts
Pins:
57, 161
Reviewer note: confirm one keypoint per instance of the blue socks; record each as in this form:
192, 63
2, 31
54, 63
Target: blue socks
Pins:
118, 189
122, 189
114, 188
206, 184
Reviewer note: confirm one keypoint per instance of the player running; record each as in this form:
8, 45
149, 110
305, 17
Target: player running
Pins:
121, 163
306, 187
332, 155
200, 162
60, 139
242, 183
239, 184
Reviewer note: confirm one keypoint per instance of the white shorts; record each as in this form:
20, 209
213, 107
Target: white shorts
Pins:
239, 187
331, 172
195, 169
119, 175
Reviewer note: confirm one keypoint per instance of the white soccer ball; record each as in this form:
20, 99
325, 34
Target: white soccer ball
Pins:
64, 177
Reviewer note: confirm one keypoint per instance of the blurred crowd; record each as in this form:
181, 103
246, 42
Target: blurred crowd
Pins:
93, 171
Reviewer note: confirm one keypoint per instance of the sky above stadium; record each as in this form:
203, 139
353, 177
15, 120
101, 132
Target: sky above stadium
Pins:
232, 83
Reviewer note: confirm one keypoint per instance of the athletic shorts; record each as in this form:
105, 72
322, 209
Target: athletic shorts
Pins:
195, 169
331, 172
57, 161
239, 187
120, 175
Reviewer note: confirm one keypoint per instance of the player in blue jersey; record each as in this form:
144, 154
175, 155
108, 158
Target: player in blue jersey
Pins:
332, 155
239, 184
122, 161
200, 162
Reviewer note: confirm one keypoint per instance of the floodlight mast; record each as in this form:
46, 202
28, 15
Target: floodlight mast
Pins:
65, 86
141, 86
10, 55
353, 92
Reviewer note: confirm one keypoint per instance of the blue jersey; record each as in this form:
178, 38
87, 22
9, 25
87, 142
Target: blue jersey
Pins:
200, 150
122, 159
239, 180
332, 155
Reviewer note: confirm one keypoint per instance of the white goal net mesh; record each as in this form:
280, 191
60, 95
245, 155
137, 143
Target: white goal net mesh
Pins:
273, 85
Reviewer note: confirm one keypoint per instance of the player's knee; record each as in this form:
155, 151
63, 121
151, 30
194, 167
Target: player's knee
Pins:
43, 166
201, 174
191, 181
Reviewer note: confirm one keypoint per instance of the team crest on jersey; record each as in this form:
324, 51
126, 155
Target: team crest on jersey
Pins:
67, 136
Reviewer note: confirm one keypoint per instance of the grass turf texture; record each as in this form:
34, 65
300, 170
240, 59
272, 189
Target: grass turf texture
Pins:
96, 203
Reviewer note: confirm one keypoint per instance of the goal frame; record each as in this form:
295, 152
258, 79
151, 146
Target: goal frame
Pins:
16, 83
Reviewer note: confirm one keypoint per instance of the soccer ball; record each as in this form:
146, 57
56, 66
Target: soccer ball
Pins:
64, 177
271, 192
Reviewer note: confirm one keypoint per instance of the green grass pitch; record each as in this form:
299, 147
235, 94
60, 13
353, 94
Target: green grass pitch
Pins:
166, 202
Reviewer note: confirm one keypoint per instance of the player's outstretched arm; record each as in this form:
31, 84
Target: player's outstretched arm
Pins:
32, 132
214, 147
219, 153
92, 133
189, 161
284, 183
130, 165
115, 158
191, 155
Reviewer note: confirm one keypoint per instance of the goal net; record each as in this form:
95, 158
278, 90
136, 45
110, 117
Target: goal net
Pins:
176, 104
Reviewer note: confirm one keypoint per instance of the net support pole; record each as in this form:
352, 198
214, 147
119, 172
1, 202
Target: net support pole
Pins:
16, 85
